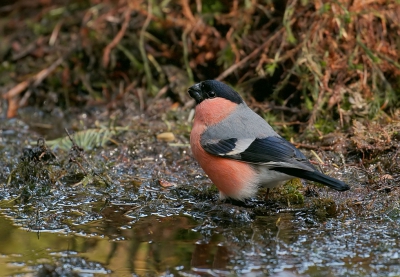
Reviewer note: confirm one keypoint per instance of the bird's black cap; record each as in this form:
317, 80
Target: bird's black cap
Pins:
211, 89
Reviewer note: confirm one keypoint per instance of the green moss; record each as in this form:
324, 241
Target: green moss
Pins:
290, 193
210, 191
226, 57
324, 208
214, 7
325, 125
269, 117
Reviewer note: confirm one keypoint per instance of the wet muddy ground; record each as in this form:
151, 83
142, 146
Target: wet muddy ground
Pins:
140, 205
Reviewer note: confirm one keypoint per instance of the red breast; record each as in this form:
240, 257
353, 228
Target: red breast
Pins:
233, 178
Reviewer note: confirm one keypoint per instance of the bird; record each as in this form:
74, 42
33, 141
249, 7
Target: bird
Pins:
239, 151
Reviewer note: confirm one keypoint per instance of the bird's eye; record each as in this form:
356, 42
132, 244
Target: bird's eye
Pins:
211, 94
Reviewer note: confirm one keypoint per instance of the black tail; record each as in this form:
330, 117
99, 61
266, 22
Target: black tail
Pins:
315, 176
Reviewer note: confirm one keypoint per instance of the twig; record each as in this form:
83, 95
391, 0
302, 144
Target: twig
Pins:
187, 12
235, 66
316, 108
141, 45
56, 31
317, 157
86, 83
186, 55
35, 80
28, 49
11, 95
25, 98
117, 38
288, 123
140, 95
17, 89
135, 62
313, 147
232, 44
12, 107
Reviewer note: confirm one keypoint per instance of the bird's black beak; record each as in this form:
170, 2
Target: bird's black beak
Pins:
195, 93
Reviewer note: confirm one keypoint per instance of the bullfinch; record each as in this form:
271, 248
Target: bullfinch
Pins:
239, 150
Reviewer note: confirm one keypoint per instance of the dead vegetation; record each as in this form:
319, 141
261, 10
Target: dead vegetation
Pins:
335, 59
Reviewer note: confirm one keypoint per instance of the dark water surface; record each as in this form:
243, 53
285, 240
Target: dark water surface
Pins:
158, 246
152, 213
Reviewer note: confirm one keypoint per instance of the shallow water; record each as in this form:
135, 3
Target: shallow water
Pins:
156, 216
155, 246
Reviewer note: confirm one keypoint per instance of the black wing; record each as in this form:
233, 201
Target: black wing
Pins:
273, 151
277, 154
